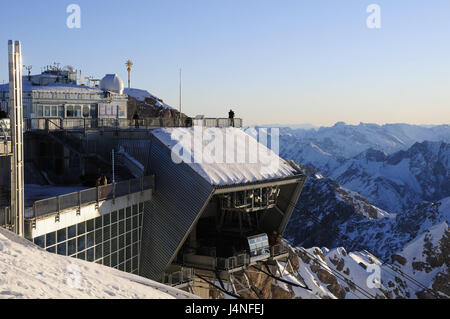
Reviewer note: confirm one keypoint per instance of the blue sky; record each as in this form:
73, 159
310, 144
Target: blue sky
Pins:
285, 61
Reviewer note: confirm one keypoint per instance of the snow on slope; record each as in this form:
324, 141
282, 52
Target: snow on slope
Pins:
142, 95
224, 163
27, 271
400, 180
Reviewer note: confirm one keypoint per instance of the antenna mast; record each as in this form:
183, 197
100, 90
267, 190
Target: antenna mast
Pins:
129, 64
180, 91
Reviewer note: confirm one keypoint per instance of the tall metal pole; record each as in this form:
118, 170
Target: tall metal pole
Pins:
113, 170
180, 92
16, 118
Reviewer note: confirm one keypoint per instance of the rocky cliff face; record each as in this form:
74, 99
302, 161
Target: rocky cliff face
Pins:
150, 107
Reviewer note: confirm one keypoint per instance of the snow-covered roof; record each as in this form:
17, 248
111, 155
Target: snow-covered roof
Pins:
141, 95
224, 162
29, 272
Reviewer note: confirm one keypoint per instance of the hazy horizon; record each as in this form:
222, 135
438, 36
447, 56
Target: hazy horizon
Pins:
271, 62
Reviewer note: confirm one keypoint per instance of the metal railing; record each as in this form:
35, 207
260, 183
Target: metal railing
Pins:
57, 123
230, 263
278, 250
178, 278
89, 196
5, 137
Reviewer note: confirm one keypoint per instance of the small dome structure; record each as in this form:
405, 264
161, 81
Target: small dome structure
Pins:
112, 83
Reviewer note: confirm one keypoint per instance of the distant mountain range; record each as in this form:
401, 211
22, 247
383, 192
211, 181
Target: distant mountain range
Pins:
382, 190
394, 166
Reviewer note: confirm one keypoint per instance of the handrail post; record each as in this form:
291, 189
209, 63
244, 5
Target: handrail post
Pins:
79, 203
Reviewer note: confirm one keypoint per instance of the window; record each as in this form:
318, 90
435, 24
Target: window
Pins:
39, 111
69, 111
110, 239
54, 109
60, 111
86, 111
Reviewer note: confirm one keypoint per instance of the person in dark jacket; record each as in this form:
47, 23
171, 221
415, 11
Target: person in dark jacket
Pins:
231, 117
136, 120
3, 114
188, 121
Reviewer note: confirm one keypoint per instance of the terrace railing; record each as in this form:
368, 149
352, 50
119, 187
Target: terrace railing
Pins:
278, 250
179, 278
5, 137
56, 123
57, 204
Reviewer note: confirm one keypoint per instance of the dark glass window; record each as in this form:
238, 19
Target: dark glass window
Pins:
81, 243
52, 249
98, 236
135, 263
121, 214
114, 244
121, 241
106, 233
90, 240
106, 220
121, 255
62, 235
72, 231
128, 212
90, 224
114, 260
106, 248
128, 239
50, 239
128, 252
40, 241
90, 254
98, 222
62, 249
81, 228
98, 251
128, 222
72, 247
135, 236
114, 230
114, 217
135, 249
107, 261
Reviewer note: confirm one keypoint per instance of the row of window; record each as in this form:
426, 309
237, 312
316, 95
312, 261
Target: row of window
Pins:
112, 239
68, 111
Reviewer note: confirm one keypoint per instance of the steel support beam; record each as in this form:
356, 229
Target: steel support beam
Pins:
16, 117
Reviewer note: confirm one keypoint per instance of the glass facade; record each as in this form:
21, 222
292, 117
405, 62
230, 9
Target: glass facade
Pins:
112, 240
259, 245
